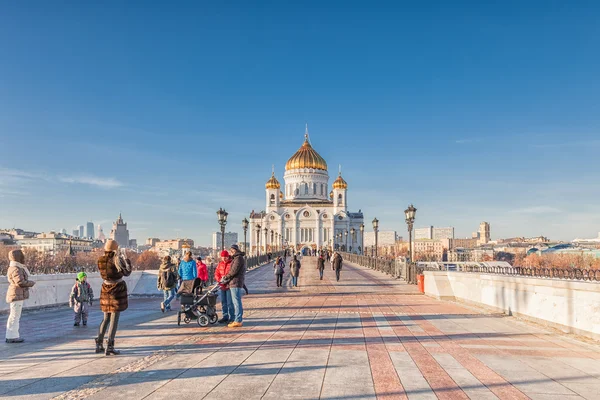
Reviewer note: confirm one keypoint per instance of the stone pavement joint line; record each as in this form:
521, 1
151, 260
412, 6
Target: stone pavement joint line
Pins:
365, 337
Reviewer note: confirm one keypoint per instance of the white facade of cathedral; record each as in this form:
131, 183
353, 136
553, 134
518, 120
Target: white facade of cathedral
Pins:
304, 213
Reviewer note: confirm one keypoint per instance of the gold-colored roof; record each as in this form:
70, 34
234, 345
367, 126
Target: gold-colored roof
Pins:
306, 157
272, 183
340, 183
331, 194
280, 194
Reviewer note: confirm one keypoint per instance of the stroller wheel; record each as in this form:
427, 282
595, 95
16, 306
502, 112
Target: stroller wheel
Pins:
178, 319
214, 318
203, 320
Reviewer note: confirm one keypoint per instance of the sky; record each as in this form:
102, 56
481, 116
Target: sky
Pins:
166, 111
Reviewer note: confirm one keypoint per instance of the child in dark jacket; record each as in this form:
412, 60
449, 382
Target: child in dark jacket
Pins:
81, 299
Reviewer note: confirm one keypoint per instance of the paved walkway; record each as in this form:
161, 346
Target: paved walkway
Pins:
365, 337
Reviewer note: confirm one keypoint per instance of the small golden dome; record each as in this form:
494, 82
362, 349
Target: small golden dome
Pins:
281, 195
272, 183
340, 183
331, 194
306, 157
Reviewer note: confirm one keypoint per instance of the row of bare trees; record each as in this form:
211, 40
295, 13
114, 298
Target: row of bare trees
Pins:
44, 263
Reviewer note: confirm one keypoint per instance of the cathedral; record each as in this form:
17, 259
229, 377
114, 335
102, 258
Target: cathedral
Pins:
304, 214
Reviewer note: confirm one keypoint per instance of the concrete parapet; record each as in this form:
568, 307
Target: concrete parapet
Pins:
571, 306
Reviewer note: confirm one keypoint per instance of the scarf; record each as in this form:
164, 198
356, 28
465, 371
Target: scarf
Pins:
19, 265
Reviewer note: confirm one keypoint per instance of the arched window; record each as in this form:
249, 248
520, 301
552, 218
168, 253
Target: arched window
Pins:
306, 188
340, 199
272, 199
314, 188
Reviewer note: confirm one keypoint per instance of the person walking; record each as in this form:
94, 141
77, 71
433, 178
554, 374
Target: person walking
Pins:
295, 270
167, 282
113, 297
336, 264
187, 273
18, 291
278, 269
81, 299
236, 277
202, 270
226, 301
321, 266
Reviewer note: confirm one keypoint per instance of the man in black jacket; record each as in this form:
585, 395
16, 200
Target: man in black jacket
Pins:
235, 278
337, 265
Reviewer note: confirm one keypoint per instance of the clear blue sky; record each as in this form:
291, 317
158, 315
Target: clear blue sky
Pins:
166, 112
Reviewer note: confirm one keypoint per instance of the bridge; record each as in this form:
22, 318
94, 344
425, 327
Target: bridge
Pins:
368, 336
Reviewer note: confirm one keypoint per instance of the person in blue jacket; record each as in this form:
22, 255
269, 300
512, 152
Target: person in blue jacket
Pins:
188, 273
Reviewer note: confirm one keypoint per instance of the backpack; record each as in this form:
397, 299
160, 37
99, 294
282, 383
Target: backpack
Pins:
169, 278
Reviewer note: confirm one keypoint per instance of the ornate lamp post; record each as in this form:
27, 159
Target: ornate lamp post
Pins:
346, 240
272, 234
245, 224
362, 238
222, 216
410, 220
376, 230
353, 233
258, 240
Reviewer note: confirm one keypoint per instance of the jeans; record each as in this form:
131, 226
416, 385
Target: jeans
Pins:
12, 324
294, 281
279, 280
236, 298
337, 274
168, 296
227, 305
113, 320
321, 273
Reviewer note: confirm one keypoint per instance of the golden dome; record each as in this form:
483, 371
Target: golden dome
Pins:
272, 183
306, 157
340, 183
331, 194
281, 195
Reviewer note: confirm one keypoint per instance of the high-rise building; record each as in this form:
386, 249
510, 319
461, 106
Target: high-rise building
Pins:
81, 231
89, 230
76, 232
101, 236
443, 233
230, 238
484, 233
119, 232
423, 233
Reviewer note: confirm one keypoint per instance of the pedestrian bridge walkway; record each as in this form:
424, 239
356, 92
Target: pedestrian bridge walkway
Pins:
365, 337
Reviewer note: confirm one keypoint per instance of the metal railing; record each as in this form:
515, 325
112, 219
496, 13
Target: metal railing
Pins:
578, 274
394, 268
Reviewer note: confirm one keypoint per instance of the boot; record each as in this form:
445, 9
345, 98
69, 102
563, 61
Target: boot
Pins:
99, 346
110, 349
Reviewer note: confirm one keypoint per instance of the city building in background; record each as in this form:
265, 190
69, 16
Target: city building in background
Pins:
230, 238
172, 246
76, 232
434, 233
89, 230
63, 231
303, 210
133, 243
429, 250
120, 233
81, 231
53, 243
484, 233
152, 241
101, 236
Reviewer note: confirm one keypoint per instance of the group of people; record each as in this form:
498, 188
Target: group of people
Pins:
295, 265
113, 267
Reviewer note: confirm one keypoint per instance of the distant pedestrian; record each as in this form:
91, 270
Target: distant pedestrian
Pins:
321, 266
226, 302
236, 278
328, 256
18, 291
336, 264
167, 282
278, 270
295, 270
81, 299
113, 297
202, 271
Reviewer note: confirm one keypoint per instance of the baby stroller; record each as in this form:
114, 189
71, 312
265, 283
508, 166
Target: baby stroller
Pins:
199, 307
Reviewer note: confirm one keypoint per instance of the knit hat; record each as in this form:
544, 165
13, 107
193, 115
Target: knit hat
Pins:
81, 275
224, 253
235, 247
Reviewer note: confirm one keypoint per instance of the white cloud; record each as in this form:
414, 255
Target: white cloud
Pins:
105, 183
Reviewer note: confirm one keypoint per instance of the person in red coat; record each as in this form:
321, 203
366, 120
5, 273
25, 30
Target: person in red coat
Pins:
202, 270
226, 302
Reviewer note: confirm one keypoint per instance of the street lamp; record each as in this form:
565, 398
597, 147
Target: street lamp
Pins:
362, 238
272, 233
258, 240
245, 223
346, 240
266, 238
222, 216
410, 220
353, 233
376, 230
